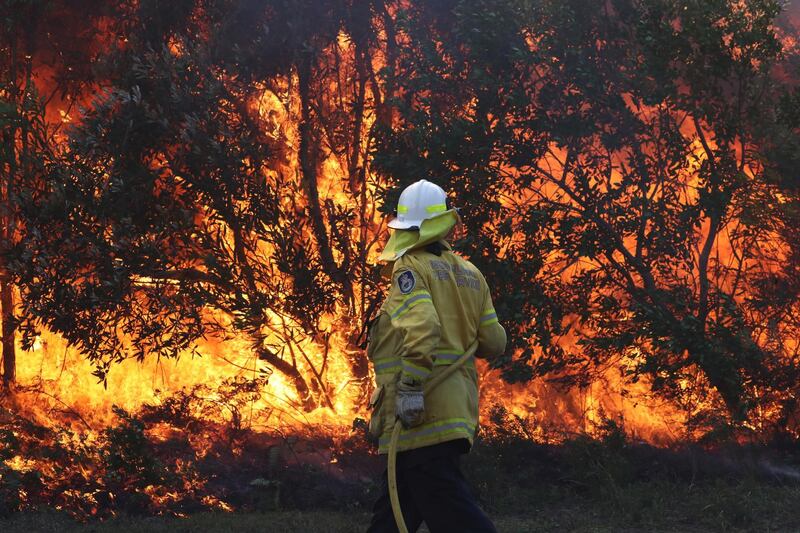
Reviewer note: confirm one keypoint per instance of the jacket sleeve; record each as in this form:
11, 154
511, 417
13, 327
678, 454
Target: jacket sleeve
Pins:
491, 335
411, 309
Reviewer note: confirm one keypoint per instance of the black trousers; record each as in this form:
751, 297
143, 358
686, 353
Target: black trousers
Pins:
432, 489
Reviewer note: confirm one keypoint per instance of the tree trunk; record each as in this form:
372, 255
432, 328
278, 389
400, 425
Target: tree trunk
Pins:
6, 234
308, 167
9, 348
726, 378
292, 373
22, 43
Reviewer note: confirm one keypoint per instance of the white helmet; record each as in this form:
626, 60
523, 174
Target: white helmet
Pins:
419, 201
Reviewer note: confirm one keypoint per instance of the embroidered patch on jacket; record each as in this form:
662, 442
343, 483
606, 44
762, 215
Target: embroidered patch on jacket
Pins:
406, 282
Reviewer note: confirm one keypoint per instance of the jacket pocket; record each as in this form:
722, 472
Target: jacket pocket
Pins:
376, 418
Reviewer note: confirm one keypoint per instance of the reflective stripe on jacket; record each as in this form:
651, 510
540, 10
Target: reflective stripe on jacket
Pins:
436, 307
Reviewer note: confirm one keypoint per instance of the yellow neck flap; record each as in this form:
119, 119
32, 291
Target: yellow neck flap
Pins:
431, 230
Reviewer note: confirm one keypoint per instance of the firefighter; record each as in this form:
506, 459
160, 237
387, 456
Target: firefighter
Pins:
437, 306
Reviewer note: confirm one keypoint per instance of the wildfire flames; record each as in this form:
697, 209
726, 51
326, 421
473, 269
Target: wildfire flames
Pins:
224, 383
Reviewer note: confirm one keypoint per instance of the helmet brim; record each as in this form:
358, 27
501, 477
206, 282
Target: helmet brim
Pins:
404, 224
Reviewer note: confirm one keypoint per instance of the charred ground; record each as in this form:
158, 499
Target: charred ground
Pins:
160, 463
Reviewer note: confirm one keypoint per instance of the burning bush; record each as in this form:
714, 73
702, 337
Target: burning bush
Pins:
626, 176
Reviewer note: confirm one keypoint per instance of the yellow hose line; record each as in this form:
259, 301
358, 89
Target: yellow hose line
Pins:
398, 427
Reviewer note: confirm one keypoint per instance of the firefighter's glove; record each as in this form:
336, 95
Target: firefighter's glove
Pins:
410, 404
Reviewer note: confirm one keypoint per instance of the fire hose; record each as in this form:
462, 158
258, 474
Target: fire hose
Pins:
398, 427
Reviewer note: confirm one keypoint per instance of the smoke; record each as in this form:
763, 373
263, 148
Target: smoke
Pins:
791, 14
782, 472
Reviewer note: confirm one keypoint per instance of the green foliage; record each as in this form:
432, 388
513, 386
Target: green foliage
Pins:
626, 173
174, 213
606, 157
128, 455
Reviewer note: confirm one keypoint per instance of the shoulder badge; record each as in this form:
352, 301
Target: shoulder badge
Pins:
406, 282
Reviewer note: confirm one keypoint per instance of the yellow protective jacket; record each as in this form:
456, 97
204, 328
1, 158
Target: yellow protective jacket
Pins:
437, 306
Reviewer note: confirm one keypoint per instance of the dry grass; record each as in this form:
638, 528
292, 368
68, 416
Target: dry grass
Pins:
744, 506
583, 485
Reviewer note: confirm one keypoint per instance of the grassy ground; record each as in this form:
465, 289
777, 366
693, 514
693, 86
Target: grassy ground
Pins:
719, 506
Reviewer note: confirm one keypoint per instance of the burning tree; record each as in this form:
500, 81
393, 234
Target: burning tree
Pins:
201, 193
616, 166
626, 171
619, 169
44, 58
